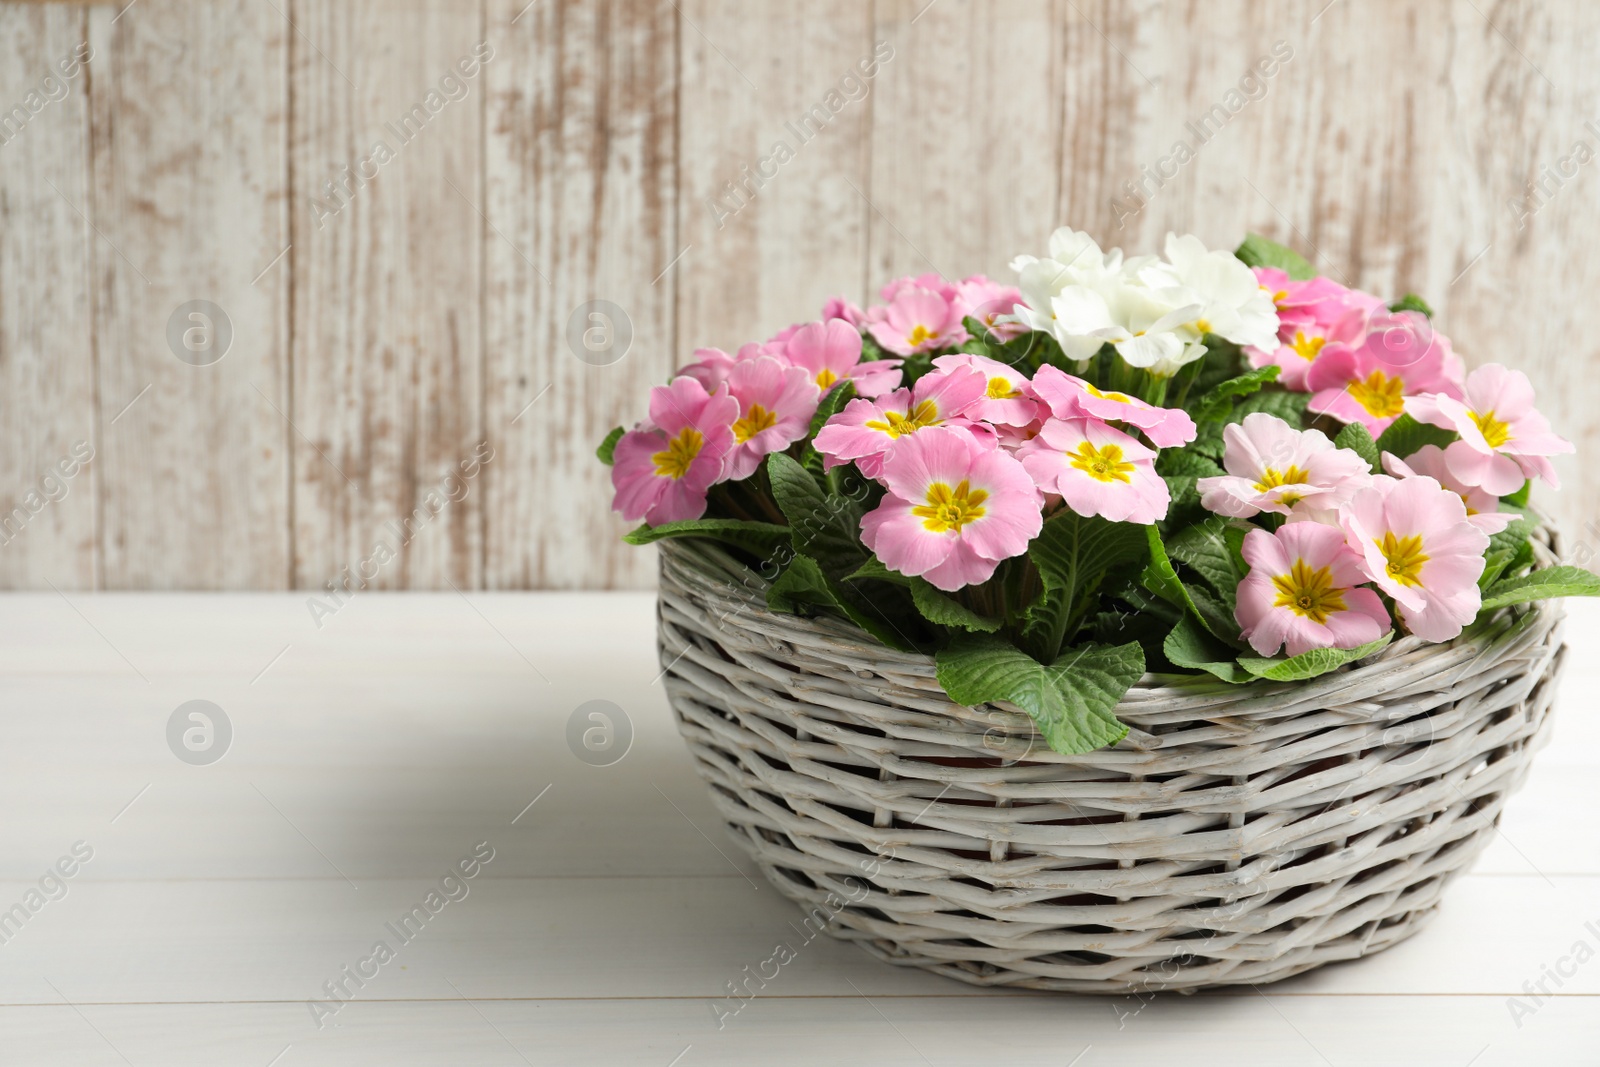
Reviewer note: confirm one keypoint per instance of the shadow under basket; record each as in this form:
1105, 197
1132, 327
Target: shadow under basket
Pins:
1237, 834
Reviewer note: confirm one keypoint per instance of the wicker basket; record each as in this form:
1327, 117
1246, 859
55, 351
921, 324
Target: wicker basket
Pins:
1237, 834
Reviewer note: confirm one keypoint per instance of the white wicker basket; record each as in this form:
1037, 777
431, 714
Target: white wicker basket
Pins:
1237, 834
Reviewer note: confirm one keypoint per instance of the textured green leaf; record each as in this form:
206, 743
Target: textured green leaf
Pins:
1405, 436
758, 538
1072, 700
1309, 664
1205, 547
1357, 439
1189, 645
801, 585
1073, 553
938, 607
608, 447
874, 570
1182, 461
1290, 407
1181, 469
1541, 585
1257, 251
1160, 576
912, 367
832, 403
1519, 499
1495, 563
1412, 302
1216, 614
824, 526
1219, 402
1509, 552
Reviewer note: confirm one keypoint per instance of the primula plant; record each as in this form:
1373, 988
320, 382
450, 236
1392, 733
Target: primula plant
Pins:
1211, 464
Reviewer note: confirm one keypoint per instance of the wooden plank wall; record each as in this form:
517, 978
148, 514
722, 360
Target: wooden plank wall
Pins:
400, 369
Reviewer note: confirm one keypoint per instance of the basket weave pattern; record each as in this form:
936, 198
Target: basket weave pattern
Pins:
1237, 834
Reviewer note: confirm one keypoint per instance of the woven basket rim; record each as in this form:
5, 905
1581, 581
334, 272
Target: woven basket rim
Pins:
1356, 685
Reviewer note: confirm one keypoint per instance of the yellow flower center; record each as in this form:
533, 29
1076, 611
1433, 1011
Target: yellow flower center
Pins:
674, 460
1121, 398
1000, 389
1203, 325
920, 335
1308, 593
1380, 394
1280, 298
1103, 465
1272, 477
1307, 348
1495, 432
1405, 557
755, 420
898, 424
947, 510
826, 377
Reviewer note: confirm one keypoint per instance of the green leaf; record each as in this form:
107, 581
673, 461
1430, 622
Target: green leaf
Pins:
832, 403
1215, 614
1073, 553
1514, 538
874, 570
1356, 438
1519, 499
980, 341
801, 585
1290, 407
943, 610
1175, 461
1205, 547
762, 539
1208, 442
1541, 585
1218, 403
608, 447
1161, 577
1508, 553
1181, 469
824, 527
912, 367
1405, 436
1309, 664
1189, 645
1494, 565
1072, 701
1412, 302
1257, 251
1222, 361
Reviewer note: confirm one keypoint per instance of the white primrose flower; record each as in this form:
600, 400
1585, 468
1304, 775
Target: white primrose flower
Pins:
1233, 305
1146, 326
1075, 262
1154, 313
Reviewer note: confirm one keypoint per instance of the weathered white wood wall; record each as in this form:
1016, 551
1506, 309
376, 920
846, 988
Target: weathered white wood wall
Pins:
413, 328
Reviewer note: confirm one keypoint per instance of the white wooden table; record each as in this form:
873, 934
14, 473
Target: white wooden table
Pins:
370, 755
